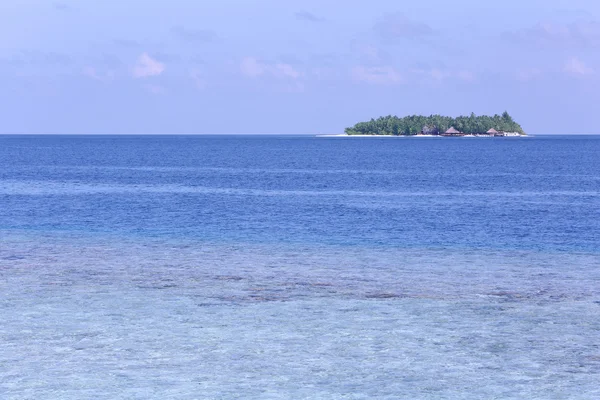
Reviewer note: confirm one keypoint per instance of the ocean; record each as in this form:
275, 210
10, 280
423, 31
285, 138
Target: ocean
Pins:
297, 267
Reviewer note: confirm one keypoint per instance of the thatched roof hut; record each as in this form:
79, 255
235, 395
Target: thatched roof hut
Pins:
492, 132
452, 131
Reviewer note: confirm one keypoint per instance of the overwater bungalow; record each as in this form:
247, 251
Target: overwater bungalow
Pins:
492, 132
452, 132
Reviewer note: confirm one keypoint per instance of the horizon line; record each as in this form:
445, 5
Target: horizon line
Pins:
235, 134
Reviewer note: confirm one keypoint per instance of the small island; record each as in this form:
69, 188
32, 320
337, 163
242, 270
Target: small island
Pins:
438, 125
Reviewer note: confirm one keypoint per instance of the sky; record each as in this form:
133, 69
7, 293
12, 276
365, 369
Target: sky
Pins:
294, 66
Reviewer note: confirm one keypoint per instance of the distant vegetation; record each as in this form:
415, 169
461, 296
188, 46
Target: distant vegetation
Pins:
435, 125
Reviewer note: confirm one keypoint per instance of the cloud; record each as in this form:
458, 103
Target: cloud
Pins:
377, 75
194, 35
368, 54
254, 68
307, 16
438, 75
576, 67
580, 34
93, 73
251, 67
285, 70
395, 26
147, 66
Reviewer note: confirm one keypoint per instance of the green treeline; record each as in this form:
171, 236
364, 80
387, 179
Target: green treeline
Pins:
435, 125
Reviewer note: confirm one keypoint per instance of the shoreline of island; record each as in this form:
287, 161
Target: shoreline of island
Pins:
342, 135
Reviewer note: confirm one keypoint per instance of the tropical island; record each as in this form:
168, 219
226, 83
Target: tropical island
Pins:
438, 125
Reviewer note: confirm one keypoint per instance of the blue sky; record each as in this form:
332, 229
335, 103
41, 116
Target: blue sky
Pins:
310, 66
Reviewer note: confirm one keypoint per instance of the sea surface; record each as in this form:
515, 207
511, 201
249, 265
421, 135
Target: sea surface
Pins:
279, 267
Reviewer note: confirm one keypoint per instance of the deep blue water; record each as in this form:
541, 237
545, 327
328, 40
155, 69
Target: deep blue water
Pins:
273, 267
538, 193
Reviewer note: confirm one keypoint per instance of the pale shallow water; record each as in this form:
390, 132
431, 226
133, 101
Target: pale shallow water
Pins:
163, 319
276, 268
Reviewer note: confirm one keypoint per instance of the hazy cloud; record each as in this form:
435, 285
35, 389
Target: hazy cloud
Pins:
196, 59
576, 67
327, 59
577, 12
251, 67
128, 43
550, 34
154, 89
90, 72
466, 75
198, 79
167, 57
254, 68
290, 59
286, 70
292, 87
25, 58
377, 75
110, 61
393, 27
194, 35
61, 6
368, 54
307, 16
147, 66
50, 58
93, 73
528, 74
438, 75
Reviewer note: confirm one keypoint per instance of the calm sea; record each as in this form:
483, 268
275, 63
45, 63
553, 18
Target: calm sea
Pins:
275, 267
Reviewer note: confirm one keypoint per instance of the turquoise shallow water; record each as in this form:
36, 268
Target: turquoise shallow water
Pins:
275, 267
